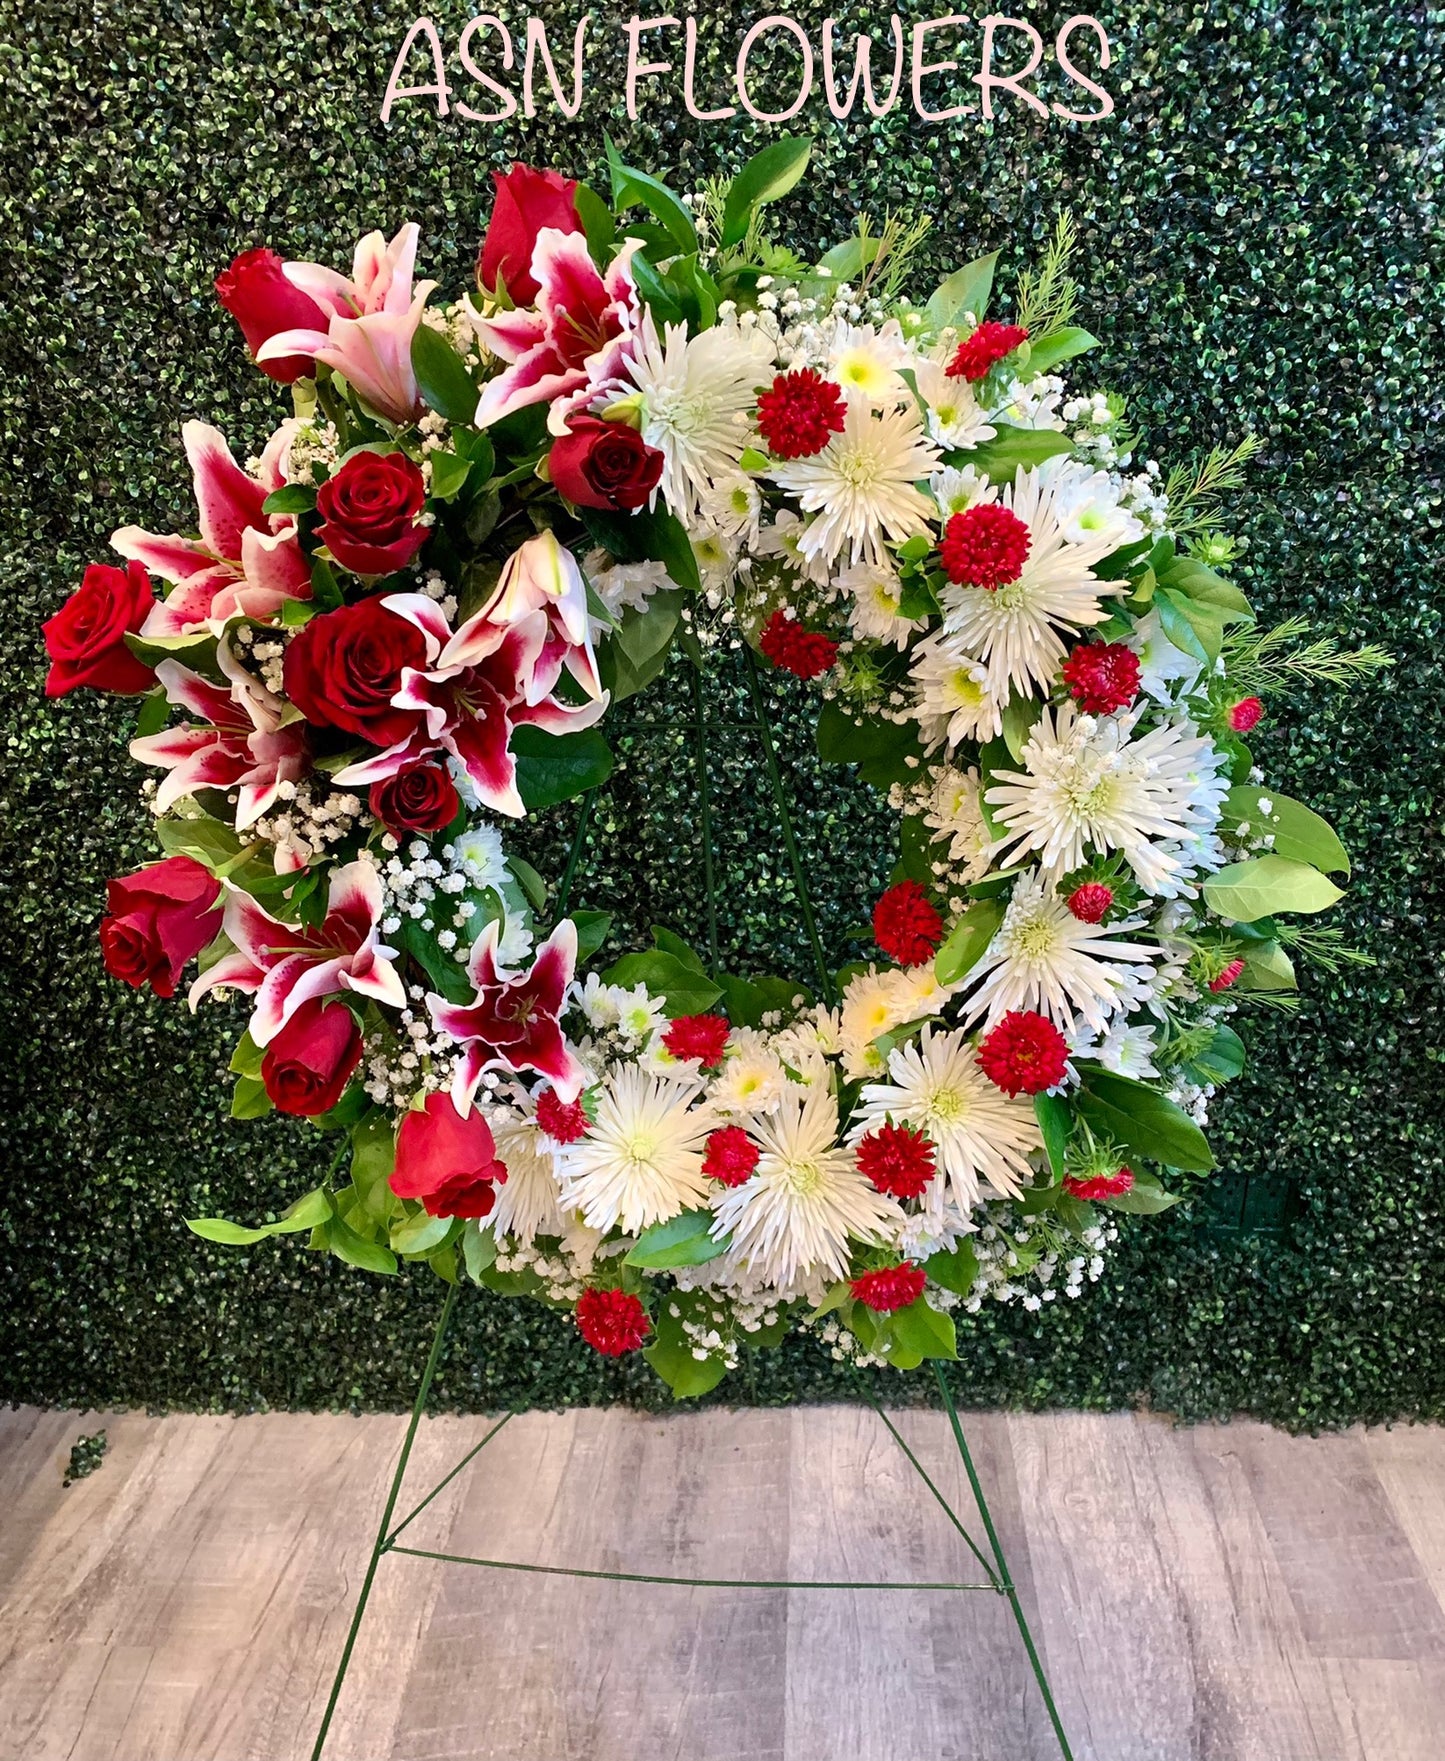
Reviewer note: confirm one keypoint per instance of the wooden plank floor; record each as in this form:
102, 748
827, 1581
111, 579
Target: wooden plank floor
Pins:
1221, 1593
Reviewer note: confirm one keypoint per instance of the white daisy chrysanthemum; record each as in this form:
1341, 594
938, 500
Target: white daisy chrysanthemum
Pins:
1046, 960
696, 393
863, 359
1089, 511
955, 417
876, 593
979, 1133
955, 696
601, 1004
641, 1162
479, 853
1127, 1051
955, 812
716, 553
751, 1079
1018, 630
734, 507
526, 1202
874, 1002
784, 538
1164, 670
955, 491
862, 487
516, 941
805, 1200
1086, 782
639, 1014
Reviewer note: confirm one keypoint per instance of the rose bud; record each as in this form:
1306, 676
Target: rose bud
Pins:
255, 291
309, 1061
599, 464
447, 1161
86, 638
159, 919
343, 668
527, 200
419, 798
368, 511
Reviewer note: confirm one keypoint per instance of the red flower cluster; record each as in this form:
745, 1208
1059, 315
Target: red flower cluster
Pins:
562, 1121
697, 1036
447, 1159
894, 1287
799, 414
1025, 1054
897, 1159
612, 1321
1100, 1185
1090, 903
1102, 677
804, 653
1227, 977
1245, 714
985, 348
906, 925
984, 546
730, 1155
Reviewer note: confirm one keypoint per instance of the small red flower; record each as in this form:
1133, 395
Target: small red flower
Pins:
697, 1036
984, 546
730, 1155
562, 1121
906, 926
897, 1159
895, 1287
1245, 714
804, 653
985, 348
1090, 903
612, 1321
1102, 677
1227, 977
1025, 1054
799, 413
1100, 1185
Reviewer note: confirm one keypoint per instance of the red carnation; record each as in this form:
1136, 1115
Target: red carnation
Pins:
612, 1321
369, 511
157, 920
984, 546
730, 1155
419, 798
1102, 677
599, 464
1025, 1054
257, 294
897, 1159
906, 926
447, 1159
1090, 903
1100, 1185
895, 1287
310, 1060
697, 1036
799, 413
1245, 714
527, 201
562, 1121
1227, 977
804, 653
86, 638
343, 669
985, 348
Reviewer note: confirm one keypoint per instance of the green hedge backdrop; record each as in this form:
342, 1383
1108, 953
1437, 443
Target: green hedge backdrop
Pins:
1261, 229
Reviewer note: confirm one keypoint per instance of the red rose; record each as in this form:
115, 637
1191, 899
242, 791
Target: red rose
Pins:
158, 919
86, 638
527, 200
309, 1061
419, 798
264, 303
368, 511
599, 464
344, 667
447, 1161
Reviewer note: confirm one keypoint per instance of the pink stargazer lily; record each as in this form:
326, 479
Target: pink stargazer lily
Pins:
374, 316
511, 1024
543, 575
245, 563
239, 743
285, 964
473, 692
576, 338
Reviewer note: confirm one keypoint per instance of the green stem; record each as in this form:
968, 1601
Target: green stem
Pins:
948, 1509
442, 1484
564, 892
705, 813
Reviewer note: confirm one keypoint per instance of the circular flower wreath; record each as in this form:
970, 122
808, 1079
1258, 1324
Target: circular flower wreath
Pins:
399, 626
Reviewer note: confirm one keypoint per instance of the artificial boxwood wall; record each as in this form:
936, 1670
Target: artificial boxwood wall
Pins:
1262, 242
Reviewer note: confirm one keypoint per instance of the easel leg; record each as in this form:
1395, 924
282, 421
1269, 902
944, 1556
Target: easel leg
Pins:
383, 1530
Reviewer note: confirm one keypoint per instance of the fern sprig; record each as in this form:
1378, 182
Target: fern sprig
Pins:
1047, 298
1325, 947
1193, 491
1260, 661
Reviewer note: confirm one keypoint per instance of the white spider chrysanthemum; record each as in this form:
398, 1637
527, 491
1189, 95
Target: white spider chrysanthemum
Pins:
955, 418
863, 485
1018, 630
805, 1200
622, 586
716, 553
641, 1162
752, 1079
955, 697
639, 1014
526, 1202
876, 593
696, 393
979, 1133
955, 812
1044, 959
1087, 782
479, 852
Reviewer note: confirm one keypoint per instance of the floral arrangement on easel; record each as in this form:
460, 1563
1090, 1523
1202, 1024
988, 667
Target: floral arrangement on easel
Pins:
403, 622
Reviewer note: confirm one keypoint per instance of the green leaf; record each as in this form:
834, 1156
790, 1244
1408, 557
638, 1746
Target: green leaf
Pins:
1019, 716
1143, 1120
1055, 1124
1056, 348
1268, 968
448, 474
479, 1249
1299, 833
420, 1233
670, 1352
552, 768
442, 377
155, 712
290, 498
1192, 630
373, 1156
908, 1336
592, 928
1011, 448
747, 1000
446, 973
1146, 1198
249, 1099
206, 839
246, 1059
684, 991
598, 226
1196, 581
1264, 885
1220, 1061
356, 1250
309, 1211
956, 1270
633, 188
325, 590
966, 941
529, 881
882, 750
229, 1234
766, 176
966, 290
678, 948
684, 1240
